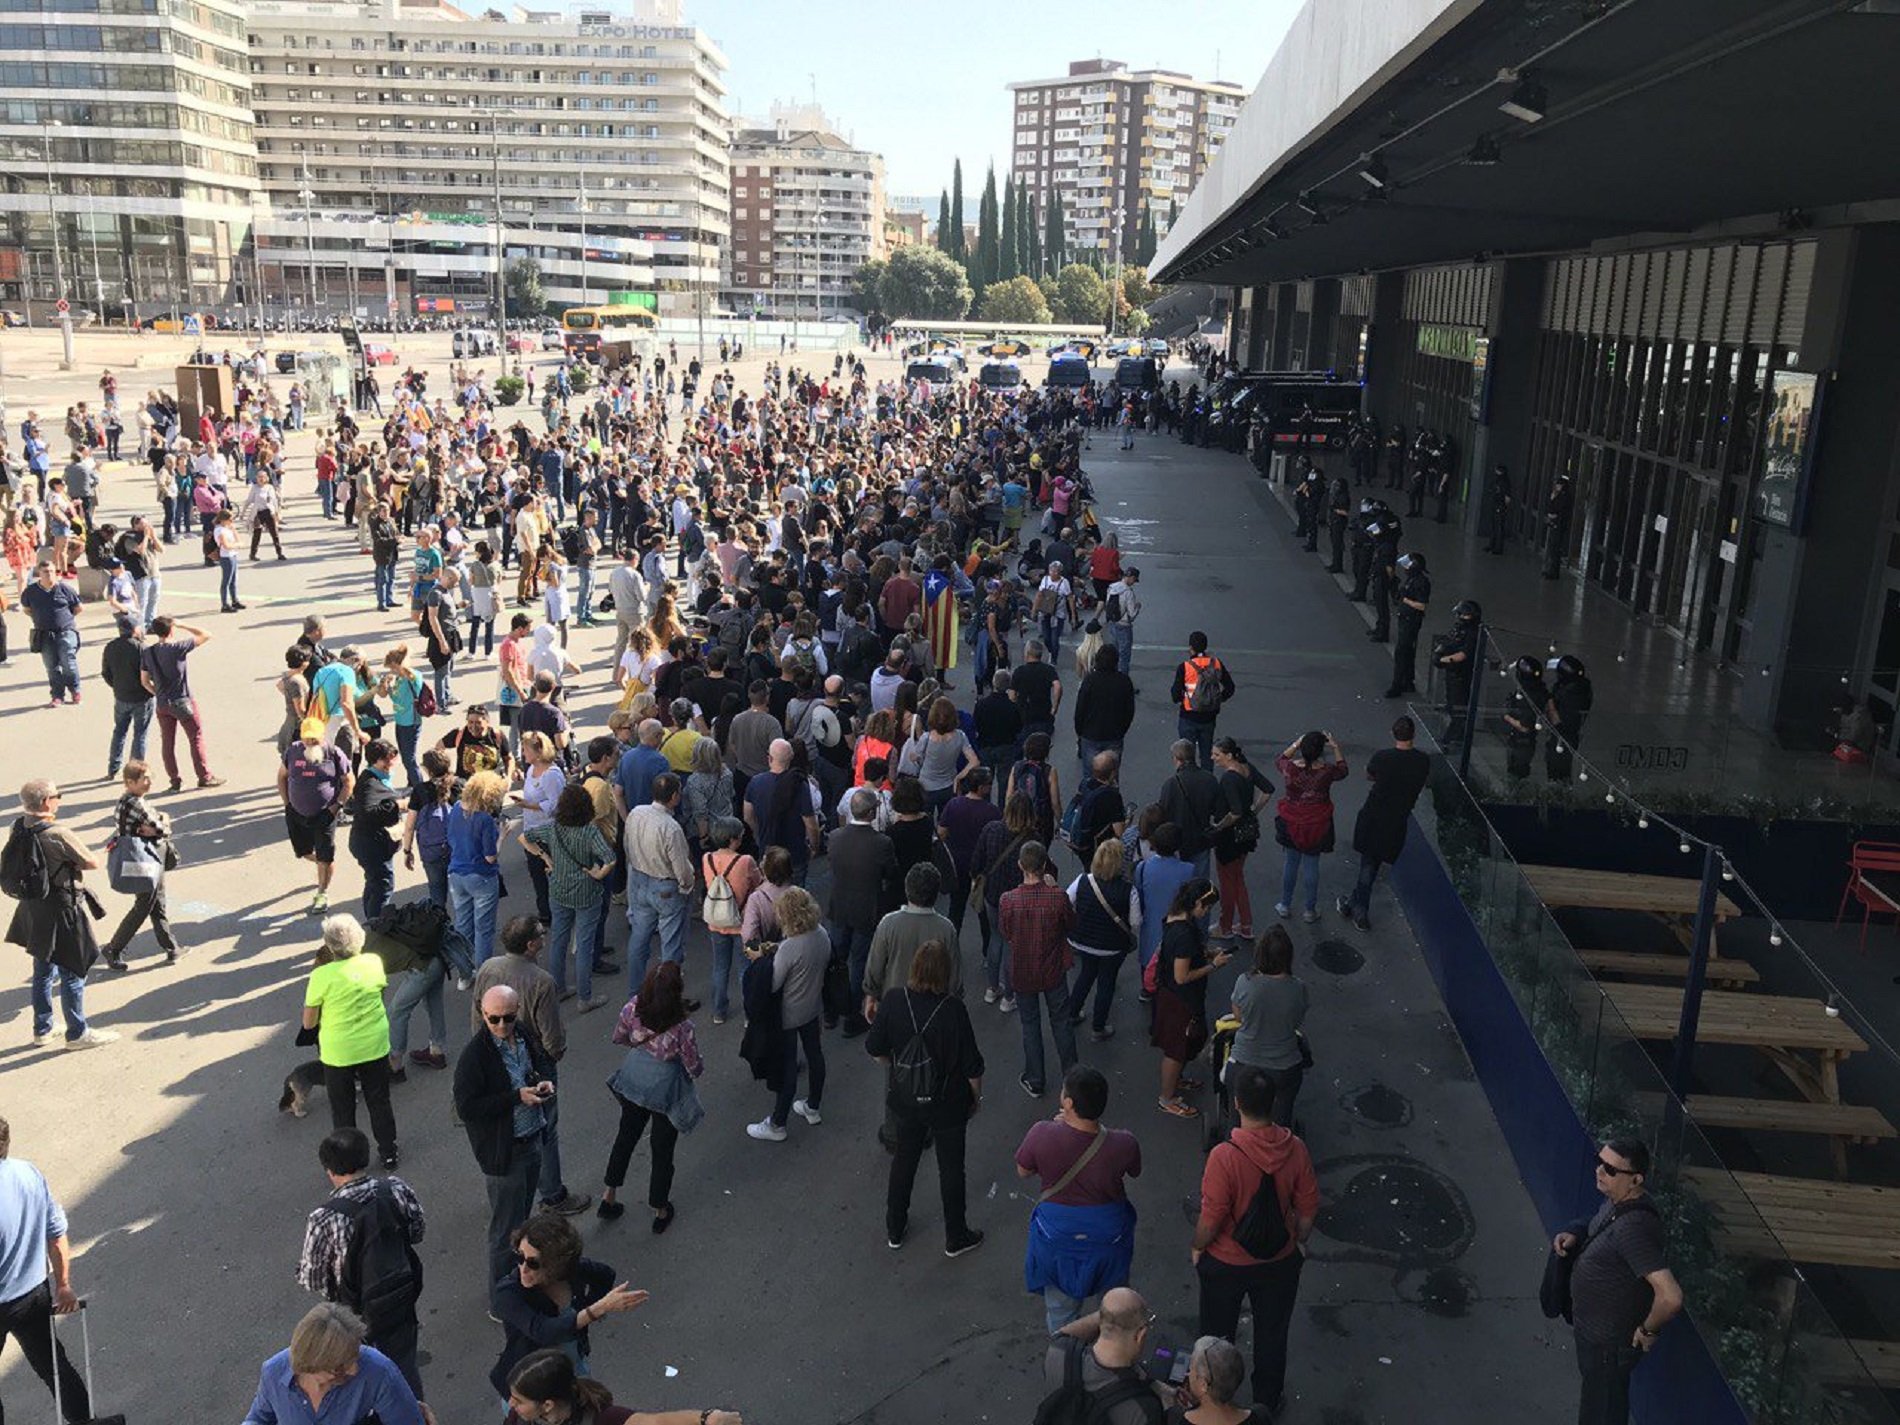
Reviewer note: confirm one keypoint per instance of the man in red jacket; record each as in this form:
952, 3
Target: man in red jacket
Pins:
1242, 1254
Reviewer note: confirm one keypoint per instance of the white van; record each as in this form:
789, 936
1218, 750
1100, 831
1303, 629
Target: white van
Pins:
935, 370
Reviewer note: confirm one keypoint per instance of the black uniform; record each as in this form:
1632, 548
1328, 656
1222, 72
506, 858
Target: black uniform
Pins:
1363, 454
1395, 459
1415, 587
1499, 498
1444, 475
1306, 500
1522, 715
1556, 527
1420, 468
1338, 516
1385, 558
1570, 702
1370, 512
1454, 652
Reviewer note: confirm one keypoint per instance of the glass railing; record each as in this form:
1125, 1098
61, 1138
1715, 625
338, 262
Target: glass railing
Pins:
1775, 1335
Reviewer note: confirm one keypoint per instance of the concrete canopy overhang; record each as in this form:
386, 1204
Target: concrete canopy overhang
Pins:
1659, 118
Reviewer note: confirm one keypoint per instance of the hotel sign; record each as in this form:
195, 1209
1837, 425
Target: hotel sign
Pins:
637, 32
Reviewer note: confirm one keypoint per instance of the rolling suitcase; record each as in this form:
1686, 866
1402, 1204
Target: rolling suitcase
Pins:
85, 1350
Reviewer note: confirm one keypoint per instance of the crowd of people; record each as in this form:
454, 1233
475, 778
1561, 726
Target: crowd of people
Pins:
797, 576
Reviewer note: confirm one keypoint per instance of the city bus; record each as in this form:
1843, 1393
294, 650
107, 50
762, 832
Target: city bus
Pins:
583, 327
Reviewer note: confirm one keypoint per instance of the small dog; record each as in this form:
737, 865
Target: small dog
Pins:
299, 1084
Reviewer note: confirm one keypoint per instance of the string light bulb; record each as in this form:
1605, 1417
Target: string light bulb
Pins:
1642, 823
1684, 847
1774, 936
1728, 872
1834, 1006
1583, 776
1610, 798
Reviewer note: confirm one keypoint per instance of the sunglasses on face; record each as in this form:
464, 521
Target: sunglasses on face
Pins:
525, 1260
508, 1018
1605, 1166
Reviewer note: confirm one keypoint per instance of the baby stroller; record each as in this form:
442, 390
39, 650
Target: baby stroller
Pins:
1220, 1119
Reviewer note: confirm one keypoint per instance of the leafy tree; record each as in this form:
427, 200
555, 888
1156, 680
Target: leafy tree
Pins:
1046, 285
1081, 295
867, 286
955, 244
1006, 266
1145, 239
924, 283
1030, 221
943, 219
1137, 323
522, 281
983, 263
1018, 300
1137, 290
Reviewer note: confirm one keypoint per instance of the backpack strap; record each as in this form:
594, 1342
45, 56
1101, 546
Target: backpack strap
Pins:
1074, 1170
1102, 1403
1102, 901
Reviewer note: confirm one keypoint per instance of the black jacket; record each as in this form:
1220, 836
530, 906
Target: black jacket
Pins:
1105, 707
486, 1100
377, 807
119, 667
864, 883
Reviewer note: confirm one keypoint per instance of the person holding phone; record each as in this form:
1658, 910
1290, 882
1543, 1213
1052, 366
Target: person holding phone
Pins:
1179, 1026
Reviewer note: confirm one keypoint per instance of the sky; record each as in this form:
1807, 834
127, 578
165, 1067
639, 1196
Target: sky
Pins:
923, 84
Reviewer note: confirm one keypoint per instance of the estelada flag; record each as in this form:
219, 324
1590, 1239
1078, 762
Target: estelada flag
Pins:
940, 619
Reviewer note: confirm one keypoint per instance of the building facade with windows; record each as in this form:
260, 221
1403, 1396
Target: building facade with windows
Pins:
1114, 140
393, 139
808, 210
127, 162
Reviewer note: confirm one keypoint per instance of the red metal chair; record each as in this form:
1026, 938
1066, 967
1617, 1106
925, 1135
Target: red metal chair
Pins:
1875, 898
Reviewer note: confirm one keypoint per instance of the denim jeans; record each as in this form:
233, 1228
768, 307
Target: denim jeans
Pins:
582, 927
482, 630
1030, 1008
1097, 972
147, 591
473, 901
654, 904
424, 987
1298, 862
1086, 749
1122, 635
379, 884
549, 1187
72, 999
326, 497
406, 737
60, 653
855, 947
1362, 889
1052, 627
995, 951
437, 875
810, 1037
584, 603
132, 718
1059, 1308
443, 688
724, 948
227, 579
1201, 734
510, 1203
385, 585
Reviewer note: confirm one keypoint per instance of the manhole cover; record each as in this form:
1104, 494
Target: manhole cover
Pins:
1378, 1105
1338, 957
1393, 1208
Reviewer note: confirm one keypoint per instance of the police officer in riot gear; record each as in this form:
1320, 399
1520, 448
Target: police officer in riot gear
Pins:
1362, 452
1385, 575
1419, 474
1395, 458
1557, 525
1370, 510
1415, 593
1306, 501
1444, 475
1454, 653
1338, 516
1499, 498
1570, 699
1524, 715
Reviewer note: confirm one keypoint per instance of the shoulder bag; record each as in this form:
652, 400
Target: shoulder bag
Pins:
981, 879
1074, 1169
1102, 901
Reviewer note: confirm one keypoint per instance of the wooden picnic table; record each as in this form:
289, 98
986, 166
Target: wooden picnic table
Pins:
1810, 1219
1784, 1028
1673, 898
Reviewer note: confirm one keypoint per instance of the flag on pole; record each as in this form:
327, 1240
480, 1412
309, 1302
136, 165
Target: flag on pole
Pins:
940, 619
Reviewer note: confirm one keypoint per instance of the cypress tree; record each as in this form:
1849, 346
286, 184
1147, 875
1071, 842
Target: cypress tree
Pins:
1029, 221
983, 265
943, 220
955, 245
1145, 240
1006, 265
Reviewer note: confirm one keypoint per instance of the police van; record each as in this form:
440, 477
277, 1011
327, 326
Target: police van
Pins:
937, 372
1000, 376
1068, 369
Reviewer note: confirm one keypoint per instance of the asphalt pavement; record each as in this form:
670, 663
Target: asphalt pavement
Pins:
774, 1293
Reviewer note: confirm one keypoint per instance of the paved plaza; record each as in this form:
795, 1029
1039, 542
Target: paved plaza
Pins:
774, 1294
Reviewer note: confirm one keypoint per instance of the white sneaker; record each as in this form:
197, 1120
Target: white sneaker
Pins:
1007, 1004
989, 994
807, 1112
766, 1131
92, 1038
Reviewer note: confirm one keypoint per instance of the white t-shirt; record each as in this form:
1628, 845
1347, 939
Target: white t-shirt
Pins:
1060, 588
646, 669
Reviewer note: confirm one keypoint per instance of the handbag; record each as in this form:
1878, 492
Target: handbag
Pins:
978, 881
1102, 901
35, 640
134, 866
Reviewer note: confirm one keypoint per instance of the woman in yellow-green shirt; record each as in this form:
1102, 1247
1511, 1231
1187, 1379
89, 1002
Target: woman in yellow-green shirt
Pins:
344, 1005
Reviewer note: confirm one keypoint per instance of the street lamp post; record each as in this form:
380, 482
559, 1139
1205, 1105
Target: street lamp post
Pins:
583, 213
501, 276
59, 262
1115, 296
309, 239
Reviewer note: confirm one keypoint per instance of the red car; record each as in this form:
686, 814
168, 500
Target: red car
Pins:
377, 354
520, 342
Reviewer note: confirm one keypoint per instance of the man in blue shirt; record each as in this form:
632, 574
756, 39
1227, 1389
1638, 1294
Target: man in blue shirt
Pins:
639, 765
329, 1376
32, 1237
54, 605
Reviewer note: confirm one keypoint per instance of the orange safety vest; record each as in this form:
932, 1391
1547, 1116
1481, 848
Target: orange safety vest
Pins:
1191, 672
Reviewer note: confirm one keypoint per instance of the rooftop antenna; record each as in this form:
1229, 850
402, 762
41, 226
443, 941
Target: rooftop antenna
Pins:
1216, 65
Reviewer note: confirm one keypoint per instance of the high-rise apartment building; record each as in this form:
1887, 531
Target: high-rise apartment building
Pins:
1114, 140
393, 136
127, 168
807, 213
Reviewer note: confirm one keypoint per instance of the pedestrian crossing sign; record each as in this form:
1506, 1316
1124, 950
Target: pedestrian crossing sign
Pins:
194, 326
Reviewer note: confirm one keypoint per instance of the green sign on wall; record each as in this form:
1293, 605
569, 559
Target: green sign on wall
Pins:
1452, 343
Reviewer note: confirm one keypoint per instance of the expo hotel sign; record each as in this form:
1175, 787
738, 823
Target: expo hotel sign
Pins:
637, 32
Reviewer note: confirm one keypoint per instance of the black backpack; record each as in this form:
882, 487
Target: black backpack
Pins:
571, 544
1262, 1231
24, 873
1071, 1403
382, 1276
915, 1072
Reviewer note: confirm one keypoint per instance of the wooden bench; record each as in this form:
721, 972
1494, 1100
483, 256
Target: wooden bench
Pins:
1674, 899
1785, 1115
1851, 1362
1640, 964
1808, 1219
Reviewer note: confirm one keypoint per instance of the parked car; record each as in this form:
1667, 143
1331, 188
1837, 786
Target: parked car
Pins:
376, 354
12, 319
520, 342
553, 339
